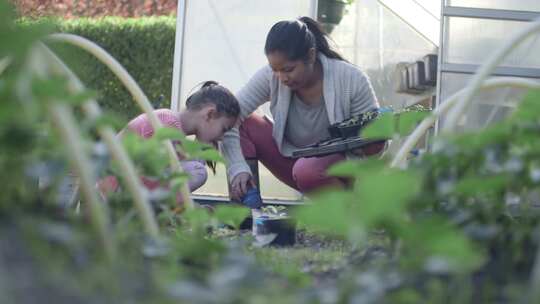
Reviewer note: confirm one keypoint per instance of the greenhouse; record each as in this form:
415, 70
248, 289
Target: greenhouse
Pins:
298, 151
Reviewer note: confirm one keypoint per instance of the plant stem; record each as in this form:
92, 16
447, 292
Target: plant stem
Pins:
137, 94
67, 127
128, 171
4, 63
534, 291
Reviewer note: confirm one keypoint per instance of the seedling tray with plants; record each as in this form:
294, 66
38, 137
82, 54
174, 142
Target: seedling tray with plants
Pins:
344, 136
351, 127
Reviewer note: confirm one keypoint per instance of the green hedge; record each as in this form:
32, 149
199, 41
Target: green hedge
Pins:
144, 46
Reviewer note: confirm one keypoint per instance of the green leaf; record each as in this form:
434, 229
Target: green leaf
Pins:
231, 215
384, 196
81, 97
407, 121
357, 168
197, 218
436, 238
198, 249
177, 182
166, 133
149, 155
382, 127
191, 146
210, 155
474, 185
330, 213
479, 140
529, 108
110, 120
53, 87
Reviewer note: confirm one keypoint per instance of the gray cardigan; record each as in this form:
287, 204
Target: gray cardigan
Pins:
346, 90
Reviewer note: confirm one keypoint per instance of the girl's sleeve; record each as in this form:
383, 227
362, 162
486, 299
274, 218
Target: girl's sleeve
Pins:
255, 93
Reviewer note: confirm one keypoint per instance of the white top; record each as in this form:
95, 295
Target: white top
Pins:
346, 91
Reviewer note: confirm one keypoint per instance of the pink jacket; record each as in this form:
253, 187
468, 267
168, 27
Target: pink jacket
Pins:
141, 126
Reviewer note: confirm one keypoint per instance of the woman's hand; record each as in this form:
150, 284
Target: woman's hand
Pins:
240, 185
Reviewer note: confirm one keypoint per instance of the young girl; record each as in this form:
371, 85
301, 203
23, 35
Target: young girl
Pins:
210, 112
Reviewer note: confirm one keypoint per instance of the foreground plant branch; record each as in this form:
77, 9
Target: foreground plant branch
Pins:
136, 92
4, 63
62, 117
128, 172
67, 128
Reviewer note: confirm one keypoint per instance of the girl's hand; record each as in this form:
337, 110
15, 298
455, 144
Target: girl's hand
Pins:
240, 185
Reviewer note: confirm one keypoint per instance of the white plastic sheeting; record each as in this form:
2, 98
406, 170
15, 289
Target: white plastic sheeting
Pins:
224, 39
422, 16
376, 39
469, 40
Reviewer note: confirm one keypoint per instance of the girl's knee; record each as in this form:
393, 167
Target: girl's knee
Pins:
197, 174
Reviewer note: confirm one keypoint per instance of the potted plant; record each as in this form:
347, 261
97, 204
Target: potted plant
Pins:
352, 126
330, 13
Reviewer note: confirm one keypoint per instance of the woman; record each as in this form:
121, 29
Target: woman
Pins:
309, 86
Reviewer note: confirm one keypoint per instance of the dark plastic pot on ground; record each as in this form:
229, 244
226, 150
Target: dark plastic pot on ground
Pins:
330, 13
283, 227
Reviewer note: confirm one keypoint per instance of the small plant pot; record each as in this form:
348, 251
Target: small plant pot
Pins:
334, 131
351, 127
350, 131
330, 13
280, 231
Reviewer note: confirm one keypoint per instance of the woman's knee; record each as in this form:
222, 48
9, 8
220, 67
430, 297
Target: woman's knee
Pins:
311, 173
307, 176
252, 130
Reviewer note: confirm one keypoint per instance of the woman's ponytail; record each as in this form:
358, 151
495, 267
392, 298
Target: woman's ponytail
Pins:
295, 38
321, 38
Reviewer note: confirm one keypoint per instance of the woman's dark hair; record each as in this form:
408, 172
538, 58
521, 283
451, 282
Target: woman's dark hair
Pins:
213, 93
295, 38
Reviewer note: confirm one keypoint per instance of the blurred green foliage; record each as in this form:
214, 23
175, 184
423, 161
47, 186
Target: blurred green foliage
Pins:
144, 46
460, 225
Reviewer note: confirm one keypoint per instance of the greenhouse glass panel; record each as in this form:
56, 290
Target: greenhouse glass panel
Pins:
519, 5
488, 107
468, 40
377, 39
